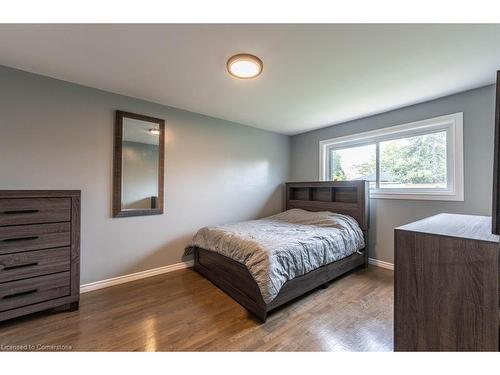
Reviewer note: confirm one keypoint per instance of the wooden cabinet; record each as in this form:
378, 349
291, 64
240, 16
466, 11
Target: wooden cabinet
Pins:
39, 251
446, 286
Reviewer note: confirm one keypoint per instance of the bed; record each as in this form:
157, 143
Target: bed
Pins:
344, 203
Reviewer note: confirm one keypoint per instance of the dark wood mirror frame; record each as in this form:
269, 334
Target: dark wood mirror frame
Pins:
495, 214
117, 166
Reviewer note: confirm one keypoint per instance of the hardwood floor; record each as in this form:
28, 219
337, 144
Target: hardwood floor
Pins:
182, 311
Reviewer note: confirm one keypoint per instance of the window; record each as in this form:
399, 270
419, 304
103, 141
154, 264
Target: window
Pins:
420, 160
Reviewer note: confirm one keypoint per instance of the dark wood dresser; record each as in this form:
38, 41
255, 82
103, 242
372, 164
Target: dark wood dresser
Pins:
39, 251
446, 286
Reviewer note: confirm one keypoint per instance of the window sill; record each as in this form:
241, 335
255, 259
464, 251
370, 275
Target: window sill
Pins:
417, 196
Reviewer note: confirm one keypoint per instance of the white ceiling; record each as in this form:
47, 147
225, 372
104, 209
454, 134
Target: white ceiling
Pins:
314, 75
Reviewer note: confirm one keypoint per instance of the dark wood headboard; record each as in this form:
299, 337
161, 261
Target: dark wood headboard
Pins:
343, 197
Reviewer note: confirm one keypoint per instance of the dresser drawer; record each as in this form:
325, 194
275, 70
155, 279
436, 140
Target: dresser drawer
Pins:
30, 291
34, 263
17, 211
34, 237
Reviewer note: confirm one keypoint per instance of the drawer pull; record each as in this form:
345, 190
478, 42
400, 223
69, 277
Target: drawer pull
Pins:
20, 239
20, 266
15, 212
26, 292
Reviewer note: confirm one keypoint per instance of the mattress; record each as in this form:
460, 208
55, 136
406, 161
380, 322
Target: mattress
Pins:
281, 247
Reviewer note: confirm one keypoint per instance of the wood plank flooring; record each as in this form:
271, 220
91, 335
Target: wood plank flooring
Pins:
182, 311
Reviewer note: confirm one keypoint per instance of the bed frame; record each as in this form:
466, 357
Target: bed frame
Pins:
344, 197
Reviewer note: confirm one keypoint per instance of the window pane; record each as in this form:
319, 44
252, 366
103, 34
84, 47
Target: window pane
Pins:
414, 162
354, 163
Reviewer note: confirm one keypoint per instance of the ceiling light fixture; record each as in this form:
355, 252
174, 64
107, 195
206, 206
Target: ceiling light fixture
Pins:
154, 131
244, 66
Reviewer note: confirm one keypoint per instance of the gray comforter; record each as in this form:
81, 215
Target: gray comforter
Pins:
281, 247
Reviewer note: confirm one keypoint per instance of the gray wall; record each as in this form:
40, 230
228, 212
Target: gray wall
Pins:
479, 109
57, 135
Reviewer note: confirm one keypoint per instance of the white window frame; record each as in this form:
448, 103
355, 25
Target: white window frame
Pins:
452, 124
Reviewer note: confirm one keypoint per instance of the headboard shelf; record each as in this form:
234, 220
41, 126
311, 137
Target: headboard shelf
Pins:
324, 206
344, 197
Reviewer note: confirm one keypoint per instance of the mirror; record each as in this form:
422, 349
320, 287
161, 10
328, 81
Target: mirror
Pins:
138, 165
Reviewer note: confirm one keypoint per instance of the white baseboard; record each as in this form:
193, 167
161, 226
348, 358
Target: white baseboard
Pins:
174, 267
134, 276
381, 263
